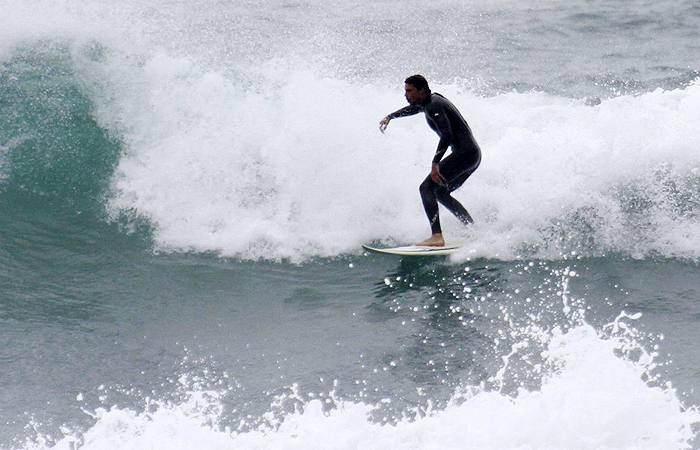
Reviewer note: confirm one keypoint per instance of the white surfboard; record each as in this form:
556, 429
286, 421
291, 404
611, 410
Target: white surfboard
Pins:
415, 250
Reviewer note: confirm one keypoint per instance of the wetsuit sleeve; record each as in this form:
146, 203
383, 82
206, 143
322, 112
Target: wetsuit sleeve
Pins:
409, 110
442, 126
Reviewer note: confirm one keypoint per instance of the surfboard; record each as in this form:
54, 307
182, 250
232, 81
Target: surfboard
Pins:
415, 250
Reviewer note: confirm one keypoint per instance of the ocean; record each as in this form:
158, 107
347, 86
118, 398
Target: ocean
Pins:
185, 187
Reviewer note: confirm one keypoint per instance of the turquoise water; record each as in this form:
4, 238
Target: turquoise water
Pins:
185, 188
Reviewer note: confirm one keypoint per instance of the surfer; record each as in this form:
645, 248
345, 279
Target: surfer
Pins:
449, 173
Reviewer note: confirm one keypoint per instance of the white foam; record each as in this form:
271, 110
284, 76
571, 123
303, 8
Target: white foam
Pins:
590, 398
287, 170
295, 166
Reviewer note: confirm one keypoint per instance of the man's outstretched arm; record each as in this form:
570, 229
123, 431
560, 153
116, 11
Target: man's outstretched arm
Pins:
403, 112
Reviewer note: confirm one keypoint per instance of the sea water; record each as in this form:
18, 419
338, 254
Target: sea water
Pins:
185, 188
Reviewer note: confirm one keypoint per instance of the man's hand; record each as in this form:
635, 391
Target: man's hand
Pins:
384, 123
435, 174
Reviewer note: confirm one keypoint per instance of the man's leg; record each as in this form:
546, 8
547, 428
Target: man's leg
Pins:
454, 206
430, 203
456, 171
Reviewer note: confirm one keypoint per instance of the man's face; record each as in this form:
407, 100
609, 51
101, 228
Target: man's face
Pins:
415, 96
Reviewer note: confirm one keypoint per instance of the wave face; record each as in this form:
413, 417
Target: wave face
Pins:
52, 146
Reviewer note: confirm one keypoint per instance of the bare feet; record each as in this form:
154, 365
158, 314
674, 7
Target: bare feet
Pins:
435, 240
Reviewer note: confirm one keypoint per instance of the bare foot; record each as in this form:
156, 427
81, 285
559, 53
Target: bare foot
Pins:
435, 240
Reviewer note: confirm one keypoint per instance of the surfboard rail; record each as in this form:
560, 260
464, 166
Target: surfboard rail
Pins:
414, 250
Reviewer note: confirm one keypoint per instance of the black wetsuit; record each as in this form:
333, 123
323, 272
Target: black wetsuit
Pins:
444, 118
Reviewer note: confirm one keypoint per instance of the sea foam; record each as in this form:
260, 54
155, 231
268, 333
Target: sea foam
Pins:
590, 398
294, 167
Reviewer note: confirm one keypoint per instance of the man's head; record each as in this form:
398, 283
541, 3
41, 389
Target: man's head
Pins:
417, 89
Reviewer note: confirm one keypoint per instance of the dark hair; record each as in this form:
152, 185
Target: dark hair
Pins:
419, 82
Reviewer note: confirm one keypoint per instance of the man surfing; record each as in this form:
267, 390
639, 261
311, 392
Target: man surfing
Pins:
449, 173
